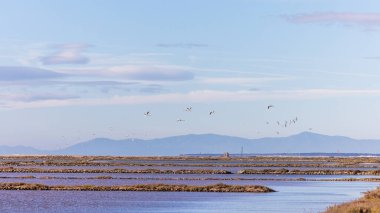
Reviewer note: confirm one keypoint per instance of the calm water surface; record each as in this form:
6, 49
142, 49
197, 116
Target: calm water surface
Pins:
291, 197
231, 169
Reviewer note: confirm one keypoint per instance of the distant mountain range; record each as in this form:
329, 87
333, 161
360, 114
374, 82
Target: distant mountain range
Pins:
305, 142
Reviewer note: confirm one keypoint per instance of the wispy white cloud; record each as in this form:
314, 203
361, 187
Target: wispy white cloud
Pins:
143, 72
7, 98
240, 80
153, 73
201, 96
342, 18
152, 88
182, 45
66, 54
9, 73
46, 96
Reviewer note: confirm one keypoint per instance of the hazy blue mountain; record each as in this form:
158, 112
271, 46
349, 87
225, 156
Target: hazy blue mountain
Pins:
6, 150
308, 142
305, 142
207, 143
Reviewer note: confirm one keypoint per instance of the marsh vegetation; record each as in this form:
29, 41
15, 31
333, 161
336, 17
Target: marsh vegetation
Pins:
184, 174
140, 187
369, 203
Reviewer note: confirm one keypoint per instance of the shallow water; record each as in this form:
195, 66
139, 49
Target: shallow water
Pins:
215, 162
176, 176
291, 197
231, 169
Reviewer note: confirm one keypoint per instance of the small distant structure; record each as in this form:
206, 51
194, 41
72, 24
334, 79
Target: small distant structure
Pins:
226, 155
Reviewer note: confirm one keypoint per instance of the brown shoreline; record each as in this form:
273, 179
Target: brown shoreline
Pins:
199, 179
95, 164
141, 187
194, 171
144, 171
309, 172
191, 161
77, 158
369, 203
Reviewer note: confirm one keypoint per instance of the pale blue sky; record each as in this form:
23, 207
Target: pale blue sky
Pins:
74, 70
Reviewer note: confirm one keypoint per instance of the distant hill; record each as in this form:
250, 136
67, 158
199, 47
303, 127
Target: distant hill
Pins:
26, 150
207, 143
305, 142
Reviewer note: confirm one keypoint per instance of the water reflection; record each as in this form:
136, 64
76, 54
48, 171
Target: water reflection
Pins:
291, 197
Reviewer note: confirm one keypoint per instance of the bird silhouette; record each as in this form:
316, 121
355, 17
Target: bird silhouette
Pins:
147, 113
270, 106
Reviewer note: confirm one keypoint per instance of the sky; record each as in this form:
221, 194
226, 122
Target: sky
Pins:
75, 70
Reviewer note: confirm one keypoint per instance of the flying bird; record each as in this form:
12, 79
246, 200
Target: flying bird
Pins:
212, 112
180, 120
148, 113
270, 106
188, 109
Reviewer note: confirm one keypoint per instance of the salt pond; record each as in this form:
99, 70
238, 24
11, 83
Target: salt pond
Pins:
291, 197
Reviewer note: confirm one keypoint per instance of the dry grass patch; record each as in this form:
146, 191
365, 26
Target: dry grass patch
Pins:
144, 171
141, 187
309, 172
370, 203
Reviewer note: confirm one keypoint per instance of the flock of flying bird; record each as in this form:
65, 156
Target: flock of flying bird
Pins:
285, 124
188, 109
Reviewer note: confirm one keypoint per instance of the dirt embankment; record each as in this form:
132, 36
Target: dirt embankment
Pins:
141, 187
145, 171
370, 203
309, 172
